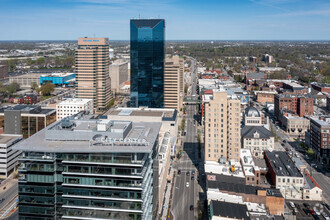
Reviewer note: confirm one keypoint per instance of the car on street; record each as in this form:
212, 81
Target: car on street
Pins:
325, 216
192, 178
191, 207
306, 205
291, 205
306, 210
179, 172
188, 173
187, 184
193, 172
327, 206
1, 200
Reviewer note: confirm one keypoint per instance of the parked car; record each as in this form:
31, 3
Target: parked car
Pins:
188, 173
179, 172
1, 200
193, 172
187, 184
292, 205
192, 178
191, 207
325, 216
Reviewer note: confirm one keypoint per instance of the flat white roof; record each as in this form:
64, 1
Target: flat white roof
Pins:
75, 101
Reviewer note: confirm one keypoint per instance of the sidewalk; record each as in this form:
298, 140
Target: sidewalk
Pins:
168, 188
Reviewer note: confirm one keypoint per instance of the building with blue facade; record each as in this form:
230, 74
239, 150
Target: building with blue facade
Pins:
147, 62
57, 78
86, 168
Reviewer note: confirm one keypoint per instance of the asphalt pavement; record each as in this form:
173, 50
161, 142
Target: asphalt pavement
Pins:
185, 196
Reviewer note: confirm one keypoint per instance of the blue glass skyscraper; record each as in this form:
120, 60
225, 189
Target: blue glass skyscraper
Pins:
147, 62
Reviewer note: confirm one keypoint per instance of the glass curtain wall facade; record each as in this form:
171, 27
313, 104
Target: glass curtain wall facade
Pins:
147, 62
86, 186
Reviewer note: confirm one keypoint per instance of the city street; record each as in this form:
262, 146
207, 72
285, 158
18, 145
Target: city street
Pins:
184, 195
9, 194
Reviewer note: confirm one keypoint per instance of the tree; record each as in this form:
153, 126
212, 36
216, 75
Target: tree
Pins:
185, 88
46, 89
34, 86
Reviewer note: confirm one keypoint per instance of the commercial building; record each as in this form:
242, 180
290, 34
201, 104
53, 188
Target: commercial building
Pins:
92, 71
264, 96
8, 156
230, 191
147, 62
59, 79
312, 190
118, 75
26, 119
293, 124
86, 168
174, 83
284, 174
302, 105
167, 136
320, 140
26, 80
222, 127
73, 106
3, 71
321, 87
227, 210
257, 139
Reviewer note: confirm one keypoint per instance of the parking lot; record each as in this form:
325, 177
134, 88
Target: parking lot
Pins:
307, 209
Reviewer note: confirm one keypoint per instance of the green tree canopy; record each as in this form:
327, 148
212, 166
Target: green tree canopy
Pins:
46, 89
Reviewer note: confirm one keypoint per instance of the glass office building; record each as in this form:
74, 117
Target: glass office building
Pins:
147, 62
90, 169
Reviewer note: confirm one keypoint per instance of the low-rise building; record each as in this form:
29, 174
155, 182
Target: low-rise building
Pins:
229, 190
257, 139
293, 124
264, 96
26, 119
301, 105
321, 87
59, 79
73, 106
8, 155
26, 80
312, 190
284, 174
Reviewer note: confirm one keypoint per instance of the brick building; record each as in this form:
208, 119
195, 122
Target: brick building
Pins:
28, 99
302, 105
320, 140
264, 96
321, 87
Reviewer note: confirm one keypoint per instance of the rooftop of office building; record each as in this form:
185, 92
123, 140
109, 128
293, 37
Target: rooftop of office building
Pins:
29, 109
282, 164
74, 101
85, 133
7, 139
166, 114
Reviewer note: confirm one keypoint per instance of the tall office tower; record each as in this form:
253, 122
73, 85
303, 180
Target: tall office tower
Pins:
92, 71
222, 127
147, 62
86, 168
173, 82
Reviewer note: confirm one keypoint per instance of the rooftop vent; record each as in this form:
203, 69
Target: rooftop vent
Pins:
66, 123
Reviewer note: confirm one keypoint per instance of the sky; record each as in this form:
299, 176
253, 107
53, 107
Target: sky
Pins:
185, 19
